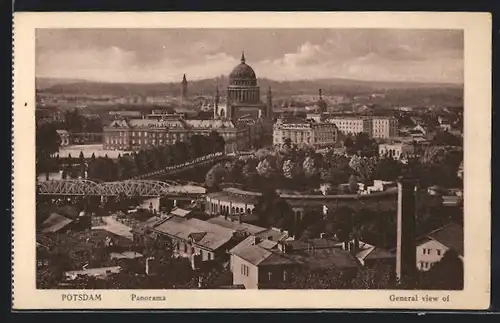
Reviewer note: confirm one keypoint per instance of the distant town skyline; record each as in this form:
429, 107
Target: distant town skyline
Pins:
164, 55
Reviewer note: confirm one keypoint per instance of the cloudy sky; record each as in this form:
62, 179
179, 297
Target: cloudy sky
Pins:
155, 55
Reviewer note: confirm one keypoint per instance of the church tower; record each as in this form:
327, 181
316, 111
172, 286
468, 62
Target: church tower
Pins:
184, 87
269, 112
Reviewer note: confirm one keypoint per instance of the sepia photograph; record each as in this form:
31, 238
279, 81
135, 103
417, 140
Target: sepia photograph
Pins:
264, 158
249, 159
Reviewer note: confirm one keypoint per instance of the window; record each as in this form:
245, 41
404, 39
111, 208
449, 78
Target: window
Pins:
209, 256
201, 254
438, 252
269, 275
285, 275
244, 270
185, 248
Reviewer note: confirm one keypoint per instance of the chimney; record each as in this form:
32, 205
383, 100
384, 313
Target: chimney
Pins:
406, 214
256, 240
148, 269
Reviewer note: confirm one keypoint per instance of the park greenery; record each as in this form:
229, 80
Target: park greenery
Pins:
446, 274
141, 162
304, 169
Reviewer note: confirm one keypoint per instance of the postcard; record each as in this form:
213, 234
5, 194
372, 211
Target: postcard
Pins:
240, 160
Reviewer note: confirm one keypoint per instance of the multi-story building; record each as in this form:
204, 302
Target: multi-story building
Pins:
380, 127
352, 125
384, 127
138, 134
260, 263
432, 247
304, 132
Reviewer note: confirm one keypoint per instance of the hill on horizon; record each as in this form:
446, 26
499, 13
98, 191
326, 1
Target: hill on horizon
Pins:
331, 86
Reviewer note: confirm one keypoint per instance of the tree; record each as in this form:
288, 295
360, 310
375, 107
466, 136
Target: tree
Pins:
290, 169
181, 154
379, 277
447, 274
353, 184
309, 167
215, 176
123, 168
73, 121
387, 169
446, 138
217, 141
274, 211
47, 143
196, 146
265, 169
287, 143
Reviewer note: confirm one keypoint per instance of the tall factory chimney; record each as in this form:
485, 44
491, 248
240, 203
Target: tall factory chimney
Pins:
406, 263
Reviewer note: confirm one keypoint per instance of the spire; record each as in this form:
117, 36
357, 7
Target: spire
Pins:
184, 80
243, 58
217, 92
320, 94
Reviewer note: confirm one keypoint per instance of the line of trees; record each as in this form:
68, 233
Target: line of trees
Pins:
447, 274
154, 158
304, 169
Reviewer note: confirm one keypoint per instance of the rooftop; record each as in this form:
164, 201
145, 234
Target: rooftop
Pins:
314, 254
451, 236
237, 226
205, 234
231, 197
54, 223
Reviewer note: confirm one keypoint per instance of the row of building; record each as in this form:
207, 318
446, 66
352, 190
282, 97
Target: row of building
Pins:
320, 131
261, 257
136, 134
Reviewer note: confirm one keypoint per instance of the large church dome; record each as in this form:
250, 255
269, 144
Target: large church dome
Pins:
243, 74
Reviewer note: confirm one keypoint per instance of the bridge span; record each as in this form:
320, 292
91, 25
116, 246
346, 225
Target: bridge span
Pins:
140, 188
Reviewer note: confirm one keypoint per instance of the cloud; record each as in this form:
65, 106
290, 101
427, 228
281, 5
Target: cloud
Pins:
160, 56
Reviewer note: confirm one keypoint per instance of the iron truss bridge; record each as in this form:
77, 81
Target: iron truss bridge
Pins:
141, 188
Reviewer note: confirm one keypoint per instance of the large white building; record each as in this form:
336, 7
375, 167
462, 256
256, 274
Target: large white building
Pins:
375, 126
304, 132
384, 127
352, 125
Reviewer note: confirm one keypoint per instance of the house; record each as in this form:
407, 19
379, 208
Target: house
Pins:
432, 247
260, 263
192, 237
55, 223
444, 123
369, 255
